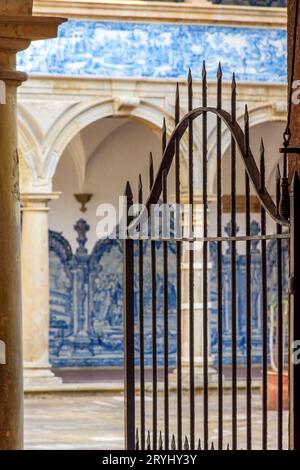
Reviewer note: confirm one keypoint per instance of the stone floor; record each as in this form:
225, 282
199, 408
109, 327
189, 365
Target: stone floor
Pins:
95, 421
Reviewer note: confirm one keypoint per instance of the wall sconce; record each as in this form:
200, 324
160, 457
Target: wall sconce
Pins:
83, 199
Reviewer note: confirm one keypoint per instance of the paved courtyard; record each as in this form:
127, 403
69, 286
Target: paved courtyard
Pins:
95, 421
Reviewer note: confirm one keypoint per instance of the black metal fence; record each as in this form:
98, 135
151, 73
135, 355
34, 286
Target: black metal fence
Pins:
197, 407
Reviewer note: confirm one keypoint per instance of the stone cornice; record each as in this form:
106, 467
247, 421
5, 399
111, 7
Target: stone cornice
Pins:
69, 86
28, 27
164, 12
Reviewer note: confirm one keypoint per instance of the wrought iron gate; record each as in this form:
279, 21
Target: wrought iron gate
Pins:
176, 415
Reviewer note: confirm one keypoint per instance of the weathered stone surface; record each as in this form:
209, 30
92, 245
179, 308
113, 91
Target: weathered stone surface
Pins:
17, 29
93, 422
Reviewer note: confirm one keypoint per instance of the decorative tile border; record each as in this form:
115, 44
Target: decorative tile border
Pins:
156, 50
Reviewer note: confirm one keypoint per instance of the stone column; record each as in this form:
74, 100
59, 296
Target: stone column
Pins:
35, 289
198, 305
17, 29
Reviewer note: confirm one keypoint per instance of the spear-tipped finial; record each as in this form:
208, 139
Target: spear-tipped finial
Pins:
204, 73
212, 446
160, 441
177, 104
140, 189
148, 441
151, 159
246, 115
227, 448
128, 191
233, 98
220, 72
262, 147
190, 91
233, 82
199, 444
219, 86
173, 443
186, 443
137, 440
151, 170
262, 165
246, 119
204, 85
164, 135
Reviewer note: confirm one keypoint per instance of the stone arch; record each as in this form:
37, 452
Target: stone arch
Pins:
80, 116
29, 138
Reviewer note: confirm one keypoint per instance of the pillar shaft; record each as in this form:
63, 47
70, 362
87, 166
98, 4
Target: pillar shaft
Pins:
11, 390
198, 303
35, 287
17, 28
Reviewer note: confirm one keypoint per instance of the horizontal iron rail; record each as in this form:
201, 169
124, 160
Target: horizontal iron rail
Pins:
241, 238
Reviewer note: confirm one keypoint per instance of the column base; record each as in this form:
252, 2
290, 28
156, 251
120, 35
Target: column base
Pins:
39, 375
198, 375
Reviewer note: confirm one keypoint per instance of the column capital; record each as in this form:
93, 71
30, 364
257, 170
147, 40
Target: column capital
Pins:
17, 29
26, 28
37, 201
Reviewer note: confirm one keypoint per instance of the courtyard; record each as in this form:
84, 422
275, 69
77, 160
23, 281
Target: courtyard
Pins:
113, 334
95, 421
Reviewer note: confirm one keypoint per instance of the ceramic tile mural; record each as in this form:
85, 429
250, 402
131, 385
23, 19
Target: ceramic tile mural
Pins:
86, 303
115, 49
86, 295
256, 301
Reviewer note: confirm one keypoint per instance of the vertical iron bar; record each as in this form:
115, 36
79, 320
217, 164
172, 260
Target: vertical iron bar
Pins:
219, 262
191, 269
166, 303
141, 326
233, 261
279, 320
178, 278
248, 302
205, 261
128, 280
294, 289
154, 325
248, 319
264, 306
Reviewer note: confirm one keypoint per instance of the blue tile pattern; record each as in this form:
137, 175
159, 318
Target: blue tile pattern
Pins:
256, 301
86, 302
86, 295
156, 50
